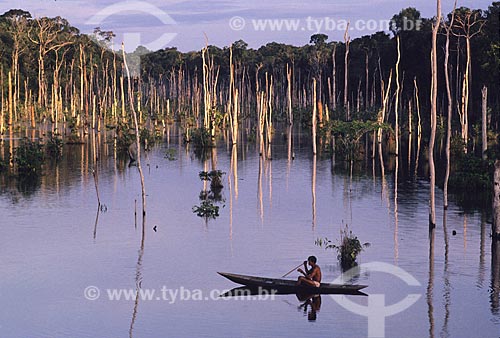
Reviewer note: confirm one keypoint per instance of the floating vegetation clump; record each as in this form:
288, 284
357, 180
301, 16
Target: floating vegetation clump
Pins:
207, 209
215, 178
208, 198
170, 154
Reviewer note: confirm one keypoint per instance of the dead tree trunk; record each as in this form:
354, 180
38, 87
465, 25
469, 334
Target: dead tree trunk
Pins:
137, 136
269, 115
410, 131
122, 96
398, 87
347, 41
206, 94
385, 98
484, 129
366, 81
2, 117
450, 107
11, 104
334, 78
233, 100
465, 100
417, 103
289, 94
314, 117
434, 87
465, 24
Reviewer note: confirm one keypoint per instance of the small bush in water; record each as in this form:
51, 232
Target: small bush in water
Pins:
54, 146
348, 249
200, 138
29, 157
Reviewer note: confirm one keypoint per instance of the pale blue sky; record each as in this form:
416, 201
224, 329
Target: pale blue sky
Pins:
166, 23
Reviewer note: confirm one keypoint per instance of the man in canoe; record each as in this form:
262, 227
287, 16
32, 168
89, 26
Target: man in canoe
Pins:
312, 276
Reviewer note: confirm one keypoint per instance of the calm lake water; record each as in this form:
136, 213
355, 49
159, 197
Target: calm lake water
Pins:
53, 247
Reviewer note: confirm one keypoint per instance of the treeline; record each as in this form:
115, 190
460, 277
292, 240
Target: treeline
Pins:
474, 53
50, 71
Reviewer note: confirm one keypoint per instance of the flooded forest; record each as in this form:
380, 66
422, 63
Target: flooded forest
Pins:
147, 168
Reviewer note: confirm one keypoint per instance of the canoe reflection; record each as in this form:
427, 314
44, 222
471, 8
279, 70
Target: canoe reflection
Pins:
309, 303
262, 292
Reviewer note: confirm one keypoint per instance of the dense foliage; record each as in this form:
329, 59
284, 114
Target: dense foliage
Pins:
45, 54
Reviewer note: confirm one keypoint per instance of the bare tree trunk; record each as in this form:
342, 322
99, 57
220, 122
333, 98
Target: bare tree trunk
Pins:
417, 102
257, 93
334, 78
450, 107
114, 110
374, 141
434, 87
235, 118
95, 172
32, 111
396, 106
410, 131
52, 104
314, 117
380, 81
41, 74
261, 121
137, 136
2, 117
269, 116
11, 104
465, 99
358, 97
347, 41
15, 58
367, 95
209, 91
82, 76
289, 94
484, 129
457, 74
233, 100
381, 116
465, 24
122, 97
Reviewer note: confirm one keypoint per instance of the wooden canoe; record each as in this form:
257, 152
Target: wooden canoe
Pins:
289, 286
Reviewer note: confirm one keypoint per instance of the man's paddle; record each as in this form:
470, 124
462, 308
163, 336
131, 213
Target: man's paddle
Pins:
289, 272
